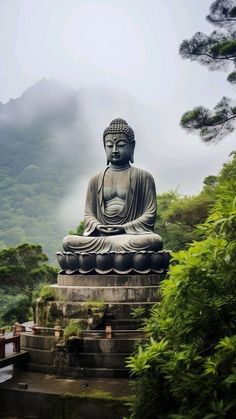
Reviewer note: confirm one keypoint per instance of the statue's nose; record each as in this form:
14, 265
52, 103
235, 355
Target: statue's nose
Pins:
114, 148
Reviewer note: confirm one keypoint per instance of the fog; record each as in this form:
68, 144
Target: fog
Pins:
122, 59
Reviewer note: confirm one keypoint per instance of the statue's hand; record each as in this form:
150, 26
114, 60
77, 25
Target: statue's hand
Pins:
110, 229
118, 228
104, 229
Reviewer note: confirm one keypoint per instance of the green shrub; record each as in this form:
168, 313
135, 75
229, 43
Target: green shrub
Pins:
47, 293
138, 312
74, 328
188, 368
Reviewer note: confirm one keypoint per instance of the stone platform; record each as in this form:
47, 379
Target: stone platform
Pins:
95, 353
50, 397
119, 293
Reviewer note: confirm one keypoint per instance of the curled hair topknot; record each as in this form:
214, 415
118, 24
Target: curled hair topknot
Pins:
119, 125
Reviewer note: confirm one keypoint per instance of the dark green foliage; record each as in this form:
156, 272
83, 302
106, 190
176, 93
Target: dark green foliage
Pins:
232, 77
211, 125
79, 230
47, 293
23, 268
216, 51
14, 309
210, 180
188, 369
178, 216
74, 328
213, 50
222, 13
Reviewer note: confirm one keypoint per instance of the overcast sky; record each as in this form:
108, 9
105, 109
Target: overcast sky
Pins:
130, 46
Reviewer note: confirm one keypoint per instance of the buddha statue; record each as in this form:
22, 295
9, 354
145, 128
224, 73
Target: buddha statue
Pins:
120, 208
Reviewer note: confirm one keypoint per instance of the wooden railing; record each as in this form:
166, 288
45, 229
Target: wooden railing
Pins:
4, 340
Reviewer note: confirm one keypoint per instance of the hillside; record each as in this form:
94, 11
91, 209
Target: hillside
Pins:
33, 170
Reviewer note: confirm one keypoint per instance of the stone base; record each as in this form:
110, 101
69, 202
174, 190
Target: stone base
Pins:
96, 353
77, 296
117, 295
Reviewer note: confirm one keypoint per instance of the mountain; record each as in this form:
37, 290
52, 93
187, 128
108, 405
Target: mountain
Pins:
34, 172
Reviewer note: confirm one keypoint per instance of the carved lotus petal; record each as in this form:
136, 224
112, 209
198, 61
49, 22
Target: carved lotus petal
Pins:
166, 259
104, 261
72, 261
123, 261
141, 261
156, 261
62, 260
87, 261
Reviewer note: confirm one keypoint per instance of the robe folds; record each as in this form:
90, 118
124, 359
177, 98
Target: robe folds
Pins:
137, 218
139, 212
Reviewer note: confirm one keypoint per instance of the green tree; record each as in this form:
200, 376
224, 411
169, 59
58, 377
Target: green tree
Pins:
15, 309
216, 51
177, 216
188, 368
23, 268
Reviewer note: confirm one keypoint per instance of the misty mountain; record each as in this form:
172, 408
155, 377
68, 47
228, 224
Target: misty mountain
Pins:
34, 172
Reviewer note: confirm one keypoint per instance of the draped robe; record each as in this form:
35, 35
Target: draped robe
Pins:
137, 217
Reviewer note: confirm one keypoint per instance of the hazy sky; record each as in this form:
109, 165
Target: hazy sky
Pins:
129, 46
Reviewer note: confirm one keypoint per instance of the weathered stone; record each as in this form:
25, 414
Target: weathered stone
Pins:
109, 280
107, 293
120, 214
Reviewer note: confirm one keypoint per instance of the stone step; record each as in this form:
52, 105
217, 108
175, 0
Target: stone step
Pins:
107, 345
124, 309
38, 341
76, 372
107, 294
123, 324
43, 368
40, 356
93, 372
109, 280
116, 334
102, 360
73, 309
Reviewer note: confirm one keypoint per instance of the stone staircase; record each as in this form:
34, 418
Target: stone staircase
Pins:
101, 352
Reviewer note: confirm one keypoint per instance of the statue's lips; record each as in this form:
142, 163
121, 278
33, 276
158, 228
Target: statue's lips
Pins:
115, 155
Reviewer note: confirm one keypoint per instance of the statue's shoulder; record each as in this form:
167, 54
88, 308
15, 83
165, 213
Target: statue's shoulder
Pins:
96, 180
137, 172
98, 175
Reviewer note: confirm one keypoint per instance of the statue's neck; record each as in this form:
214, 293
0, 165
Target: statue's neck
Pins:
119, 168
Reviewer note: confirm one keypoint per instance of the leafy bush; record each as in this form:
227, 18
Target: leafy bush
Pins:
138, 312
74, 328
188, 368
47, 293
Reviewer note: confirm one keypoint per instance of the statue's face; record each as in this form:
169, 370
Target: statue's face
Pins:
118, 148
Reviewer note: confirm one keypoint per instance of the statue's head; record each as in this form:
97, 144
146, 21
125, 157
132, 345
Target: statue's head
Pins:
119, 142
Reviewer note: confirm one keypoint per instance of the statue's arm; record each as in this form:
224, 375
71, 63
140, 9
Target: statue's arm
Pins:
90, 217
144, 223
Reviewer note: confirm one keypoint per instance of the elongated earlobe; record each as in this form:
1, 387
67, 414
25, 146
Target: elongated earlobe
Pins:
107, 162
132, 152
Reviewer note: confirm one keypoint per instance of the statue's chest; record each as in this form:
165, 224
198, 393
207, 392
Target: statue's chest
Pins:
115, 184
